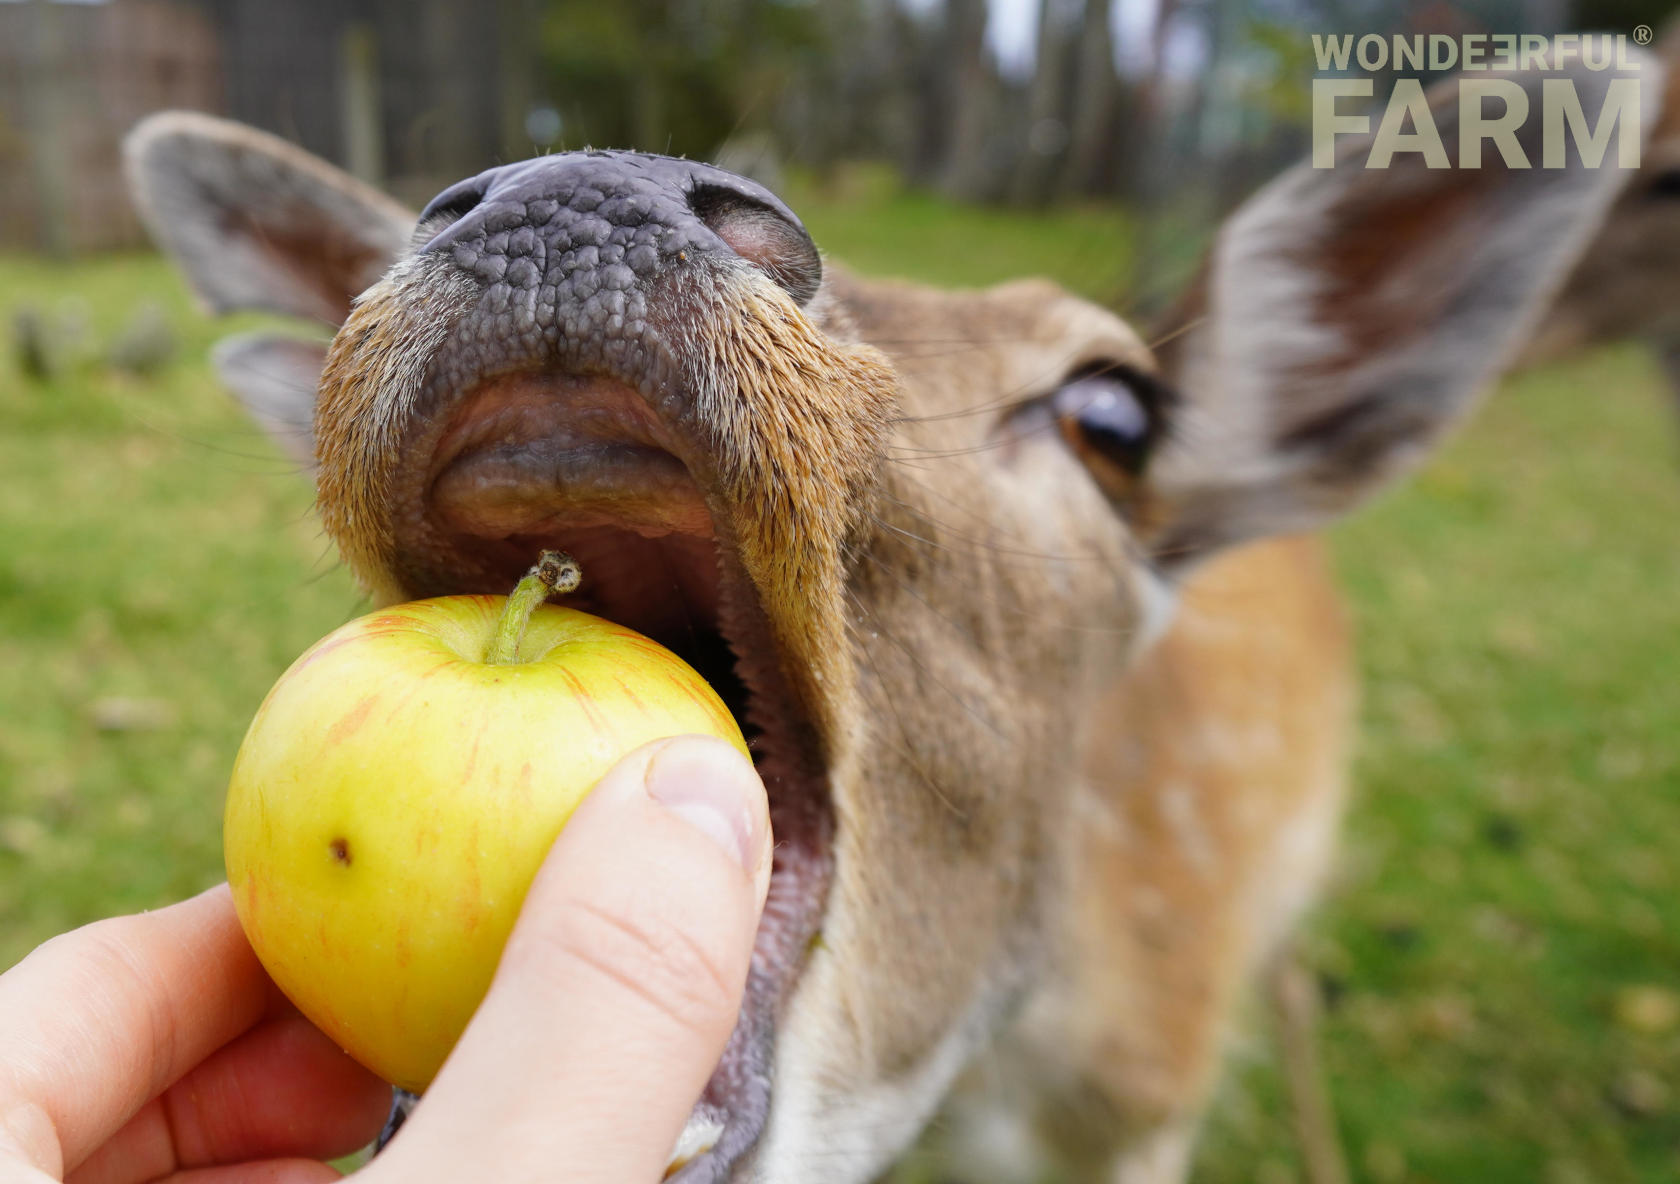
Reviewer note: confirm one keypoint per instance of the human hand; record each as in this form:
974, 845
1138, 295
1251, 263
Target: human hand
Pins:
155, 1046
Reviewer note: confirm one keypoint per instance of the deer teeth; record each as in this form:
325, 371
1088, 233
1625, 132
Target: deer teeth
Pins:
698, 1137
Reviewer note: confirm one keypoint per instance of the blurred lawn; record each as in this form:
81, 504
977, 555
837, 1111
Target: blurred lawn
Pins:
1509, 885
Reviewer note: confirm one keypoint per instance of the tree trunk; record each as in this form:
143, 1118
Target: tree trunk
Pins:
1090, 163
1048, 99
966, 174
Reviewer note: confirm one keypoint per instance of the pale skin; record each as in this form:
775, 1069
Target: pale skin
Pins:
153, 1047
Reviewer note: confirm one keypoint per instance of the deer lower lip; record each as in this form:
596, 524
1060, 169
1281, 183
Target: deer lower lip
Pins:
580, 464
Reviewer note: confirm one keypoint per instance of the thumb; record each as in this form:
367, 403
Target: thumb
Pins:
619, 986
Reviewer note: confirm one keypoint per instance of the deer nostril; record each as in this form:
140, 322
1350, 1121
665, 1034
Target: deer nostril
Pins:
455, 203
779, 248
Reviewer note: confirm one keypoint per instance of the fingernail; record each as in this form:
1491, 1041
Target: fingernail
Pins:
714, 789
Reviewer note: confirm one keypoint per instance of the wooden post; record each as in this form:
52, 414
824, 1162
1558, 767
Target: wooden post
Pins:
361, 113
44, 127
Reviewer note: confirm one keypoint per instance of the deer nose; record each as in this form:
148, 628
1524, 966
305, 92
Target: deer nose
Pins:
562, 233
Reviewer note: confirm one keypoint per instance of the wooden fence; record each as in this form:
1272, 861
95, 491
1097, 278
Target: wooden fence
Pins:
73, 79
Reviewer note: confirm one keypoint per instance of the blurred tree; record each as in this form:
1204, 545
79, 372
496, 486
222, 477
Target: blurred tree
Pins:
970, 93
1093, 131
1620, 16
1038, 165
676, 76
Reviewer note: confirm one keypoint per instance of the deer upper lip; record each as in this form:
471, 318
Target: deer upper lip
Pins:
511, 490
582, 462
589, 442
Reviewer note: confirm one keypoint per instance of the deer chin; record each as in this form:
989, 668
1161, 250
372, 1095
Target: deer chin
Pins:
539, 460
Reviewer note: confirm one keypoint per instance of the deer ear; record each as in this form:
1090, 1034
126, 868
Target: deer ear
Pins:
256, 223
1348, 316
274, 378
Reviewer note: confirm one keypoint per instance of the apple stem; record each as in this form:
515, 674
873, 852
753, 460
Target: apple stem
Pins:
555, 572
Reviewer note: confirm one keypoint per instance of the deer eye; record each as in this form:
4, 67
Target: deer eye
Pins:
1111, 414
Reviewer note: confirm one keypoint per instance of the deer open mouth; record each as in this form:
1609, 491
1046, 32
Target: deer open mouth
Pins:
536, 460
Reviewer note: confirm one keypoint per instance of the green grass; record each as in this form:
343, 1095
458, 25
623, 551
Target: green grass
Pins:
1510, 870
152, 547
864, 220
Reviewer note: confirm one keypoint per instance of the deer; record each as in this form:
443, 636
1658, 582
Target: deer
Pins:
1022, 609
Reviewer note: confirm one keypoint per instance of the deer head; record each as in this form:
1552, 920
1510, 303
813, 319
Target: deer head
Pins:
910, 534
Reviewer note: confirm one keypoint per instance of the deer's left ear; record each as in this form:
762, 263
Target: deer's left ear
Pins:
1348, 317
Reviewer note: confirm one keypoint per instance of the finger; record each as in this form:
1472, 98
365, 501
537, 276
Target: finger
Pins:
619, 987
275, 1171
282, 1089
99, 1021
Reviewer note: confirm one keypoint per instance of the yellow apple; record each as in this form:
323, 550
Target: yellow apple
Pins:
397, 791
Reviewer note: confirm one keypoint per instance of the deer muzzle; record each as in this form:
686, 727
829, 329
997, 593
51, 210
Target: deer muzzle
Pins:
608, 353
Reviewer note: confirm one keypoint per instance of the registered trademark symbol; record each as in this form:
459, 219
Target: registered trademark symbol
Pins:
1642, 34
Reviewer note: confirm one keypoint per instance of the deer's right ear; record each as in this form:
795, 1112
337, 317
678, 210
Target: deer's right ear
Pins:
1349, 315
258, 224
